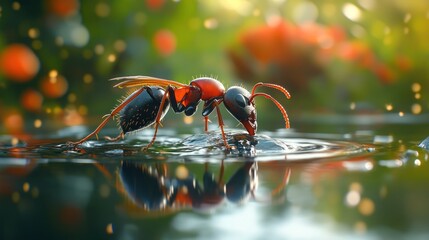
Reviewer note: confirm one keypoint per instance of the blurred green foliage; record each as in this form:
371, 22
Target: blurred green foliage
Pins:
376, 60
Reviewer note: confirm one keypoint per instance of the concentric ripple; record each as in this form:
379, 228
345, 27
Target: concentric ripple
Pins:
200, 147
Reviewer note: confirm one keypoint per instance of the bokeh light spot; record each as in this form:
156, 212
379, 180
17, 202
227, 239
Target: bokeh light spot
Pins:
26, 187
38, 123
416, 87
182, 172
366, 207
99, 49
54, 87
352, 198
33, 33
16, 6
305, 12
71, 98
87, 78
53, 73
352, 12
19, 63
417, 96
32, 100
188, 120
416, 108
367, 4
102, 9
111, 58
14, 122
109, 228
165, 42
389, 107
120, 45
211, 23
407, 18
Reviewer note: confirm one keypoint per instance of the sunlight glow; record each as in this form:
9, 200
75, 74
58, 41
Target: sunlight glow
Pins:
352, 12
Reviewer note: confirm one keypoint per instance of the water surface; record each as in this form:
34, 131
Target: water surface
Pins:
284, 184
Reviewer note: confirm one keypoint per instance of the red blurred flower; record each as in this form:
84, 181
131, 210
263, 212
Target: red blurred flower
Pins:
54, 86
165, 42
63, 8
32, 100
291, 55
155, 4
18, 62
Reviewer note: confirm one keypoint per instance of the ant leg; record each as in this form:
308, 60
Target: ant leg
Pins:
109, 116
280, 107
221, 171
275, 86
206, 124
157, 120
103, 170
221, 124
119, 137
283, 184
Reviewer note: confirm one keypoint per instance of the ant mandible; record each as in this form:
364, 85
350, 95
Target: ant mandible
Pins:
149, 104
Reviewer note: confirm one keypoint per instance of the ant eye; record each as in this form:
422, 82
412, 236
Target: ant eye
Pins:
241, 100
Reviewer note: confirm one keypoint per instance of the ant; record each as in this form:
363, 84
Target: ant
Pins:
149, 104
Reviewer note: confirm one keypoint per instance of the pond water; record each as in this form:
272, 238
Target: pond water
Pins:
329, 181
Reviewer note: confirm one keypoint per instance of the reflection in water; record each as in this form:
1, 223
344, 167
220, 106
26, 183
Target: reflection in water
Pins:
150, 188
374, 187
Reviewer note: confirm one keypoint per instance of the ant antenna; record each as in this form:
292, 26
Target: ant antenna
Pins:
275, 86
267, 96
279, 106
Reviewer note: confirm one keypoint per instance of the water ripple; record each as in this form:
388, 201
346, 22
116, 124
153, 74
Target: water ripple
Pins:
203, 147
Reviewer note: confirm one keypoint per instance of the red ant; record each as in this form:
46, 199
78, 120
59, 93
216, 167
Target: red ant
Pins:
149, 104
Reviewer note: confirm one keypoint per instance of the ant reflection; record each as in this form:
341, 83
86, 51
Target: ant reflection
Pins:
151, 189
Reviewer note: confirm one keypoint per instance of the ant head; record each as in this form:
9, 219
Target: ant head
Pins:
237, 101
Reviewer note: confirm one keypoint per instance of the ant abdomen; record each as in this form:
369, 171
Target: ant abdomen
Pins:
141, 111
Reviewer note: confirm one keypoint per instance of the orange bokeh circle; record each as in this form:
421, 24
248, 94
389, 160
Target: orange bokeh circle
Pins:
165, 42
32, 100
54, 87
19, 63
